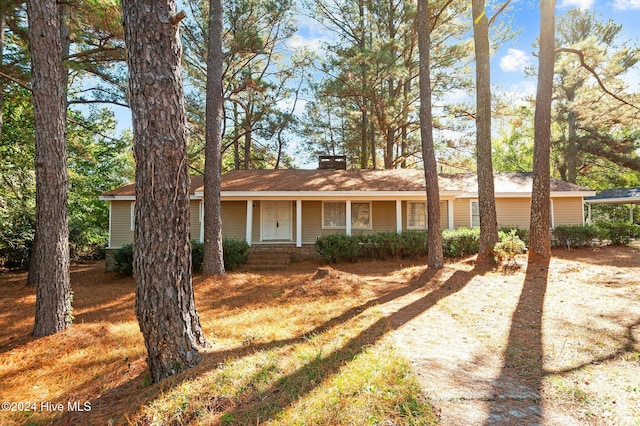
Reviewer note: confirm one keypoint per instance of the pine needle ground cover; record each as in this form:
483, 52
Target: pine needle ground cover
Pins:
368, 343
287, 348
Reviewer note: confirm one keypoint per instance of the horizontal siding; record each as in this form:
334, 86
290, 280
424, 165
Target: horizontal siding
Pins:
567, 211
443, 215
121, 233
312, 222
514, 212
462, 213
234, 219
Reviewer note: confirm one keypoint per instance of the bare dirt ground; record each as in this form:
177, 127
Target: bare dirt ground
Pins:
553, 343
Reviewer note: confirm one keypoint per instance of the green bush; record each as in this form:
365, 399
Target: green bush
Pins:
508, 247
123, 260
523, 234
618, 232
575, 235
197, 256
234, 252
336, 248
391, 245
460, 242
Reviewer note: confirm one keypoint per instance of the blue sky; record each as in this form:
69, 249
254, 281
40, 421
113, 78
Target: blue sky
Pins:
509, 62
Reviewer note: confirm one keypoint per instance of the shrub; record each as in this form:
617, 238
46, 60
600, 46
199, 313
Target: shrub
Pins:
123, 260
507, 248
386, 245
575, 235
618, 232
336, 248
460, 242
234, 252
197, 256
523, 234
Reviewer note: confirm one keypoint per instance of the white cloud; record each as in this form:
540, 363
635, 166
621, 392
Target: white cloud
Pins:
626, 4
298, 42
580, 4
515, 60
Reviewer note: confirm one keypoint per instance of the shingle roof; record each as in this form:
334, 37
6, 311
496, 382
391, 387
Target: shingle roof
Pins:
130, 189
396, 180
374, 180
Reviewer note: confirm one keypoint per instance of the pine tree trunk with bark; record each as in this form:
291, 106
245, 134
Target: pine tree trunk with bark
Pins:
540, 239
51, 253
434, 238
486, 193
213, 261
165, 305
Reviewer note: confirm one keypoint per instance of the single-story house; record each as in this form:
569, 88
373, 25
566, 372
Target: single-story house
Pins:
296, 207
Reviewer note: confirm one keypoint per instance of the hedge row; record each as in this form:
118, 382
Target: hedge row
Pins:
585, 235
390, 245
461, 242
235, 253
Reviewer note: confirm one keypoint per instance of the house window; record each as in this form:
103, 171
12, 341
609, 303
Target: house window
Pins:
361, 215
475, 214
334, 215
416, 215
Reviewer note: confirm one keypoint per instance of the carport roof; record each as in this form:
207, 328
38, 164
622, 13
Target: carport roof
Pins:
616, 196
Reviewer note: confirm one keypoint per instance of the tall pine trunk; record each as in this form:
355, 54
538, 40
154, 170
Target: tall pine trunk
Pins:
540, 239
213, 262
486, 193
51, 253
162, 250
434, 238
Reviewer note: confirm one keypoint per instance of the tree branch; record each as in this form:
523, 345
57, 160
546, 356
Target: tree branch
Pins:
18, 82
502, 8
580, 54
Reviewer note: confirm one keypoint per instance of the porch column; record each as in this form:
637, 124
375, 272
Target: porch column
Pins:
399, 216
450, 214
348, 218
201, 221
249, 226
589, 210
298, 223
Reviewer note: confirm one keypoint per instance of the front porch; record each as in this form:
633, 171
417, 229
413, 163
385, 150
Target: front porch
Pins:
301, 222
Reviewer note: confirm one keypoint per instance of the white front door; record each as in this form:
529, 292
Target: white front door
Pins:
276, 220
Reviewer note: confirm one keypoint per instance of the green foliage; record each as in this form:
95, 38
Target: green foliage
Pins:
618, 232
197, 256
391, 245
523, 234
123, 260
575, 235
460, 242
508, 247
337, 248
234, 252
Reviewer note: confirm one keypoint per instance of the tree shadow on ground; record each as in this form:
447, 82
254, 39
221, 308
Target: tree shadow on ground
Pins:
300, 383
321, 367
519, 386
